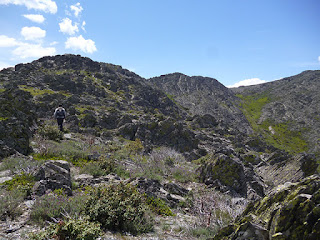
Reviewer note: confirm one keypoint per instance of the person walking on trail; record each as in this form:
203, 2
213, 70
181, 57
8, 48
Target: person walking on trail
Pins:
60, 115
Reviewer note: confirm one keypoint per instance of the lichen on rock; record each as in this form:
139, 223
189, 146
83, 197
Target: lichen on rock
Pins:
291, 211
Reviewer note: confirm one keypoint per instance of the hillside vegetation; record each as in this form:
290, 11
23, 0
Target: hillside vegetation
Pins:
285, 112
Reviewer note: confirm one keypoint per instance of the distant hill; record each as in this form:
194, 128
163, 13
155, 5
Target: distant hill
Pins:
286, 112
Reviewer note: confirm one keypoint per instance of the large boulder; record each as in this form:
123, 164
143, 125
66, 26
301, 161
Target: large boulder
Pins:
51, 176
291, 211
227, 173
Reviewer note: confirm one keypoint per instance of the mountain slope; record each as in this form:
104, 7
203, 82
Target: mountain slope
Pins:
203, 95
286, 112
102, 99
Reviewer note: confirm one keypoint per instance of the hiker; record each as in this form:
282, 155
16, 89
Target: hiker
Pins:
60, 115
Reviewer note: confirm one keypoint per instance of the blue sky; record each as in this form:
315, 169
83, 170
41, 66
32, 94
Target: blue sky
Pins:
247, 41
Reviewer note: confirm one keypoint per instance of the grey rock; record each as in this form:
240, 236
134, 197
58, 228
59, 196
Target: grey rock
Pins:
4, 179
89, 180
251, 231
230, 174
171, 193
53, 175
174, 188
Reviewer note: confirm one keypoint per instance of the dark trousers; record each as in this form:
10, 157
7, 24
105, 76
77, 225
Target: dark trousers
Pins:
60, 123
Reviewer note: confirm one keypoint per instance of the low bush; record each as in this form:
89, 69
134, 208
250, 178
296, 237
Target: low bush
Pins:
9, 203
164, 163
19, 164
159, 206
55, 206
98, 168
72, 228
22, 182
78, 151
214, 209
93, 168
50, 132
119, 208
71, 151
203, 232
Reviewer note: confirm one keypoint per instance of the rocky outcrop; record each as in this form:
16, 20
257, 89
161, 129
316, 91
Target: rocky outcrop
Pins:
164, 132
17, 117
171, 193
229, 174
279, 167
291, 211
51, 176
203, 95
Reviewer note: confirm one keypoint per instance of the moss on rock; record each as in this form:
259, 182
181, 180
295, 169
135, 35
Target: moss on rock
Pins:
291, 211
224, 169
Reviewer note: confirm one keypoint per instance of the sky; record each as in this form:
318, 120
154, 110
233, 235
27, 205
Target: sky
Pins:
237, 42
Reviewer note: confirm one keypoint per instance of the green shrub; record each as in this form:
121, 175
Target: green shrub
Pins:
93, 168
54, 206
159, 206
22, 182
17, 164
16, 190
183, 175
134, 147
76, 151
108, 164
203, 232
119, 207
71, 151
164, 163
50, 132
9, 203
99, 168
75, 229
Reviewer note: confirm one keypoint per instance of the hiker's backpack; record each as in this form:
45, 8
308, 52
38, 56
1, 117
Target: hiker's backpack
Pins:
60, 113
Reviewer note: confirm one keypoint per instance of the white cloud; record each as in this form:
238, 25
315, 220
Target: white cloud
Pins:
77, 9
42, 5
83, 26
32, 33
35, 18
53, 43
319, 59
247, 82
4, 65
67, 27
79, 43
6, 41
26, 50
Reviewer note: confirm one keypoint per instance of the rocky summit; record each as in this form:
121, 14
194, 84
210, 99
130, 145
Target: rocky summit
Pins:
171, 157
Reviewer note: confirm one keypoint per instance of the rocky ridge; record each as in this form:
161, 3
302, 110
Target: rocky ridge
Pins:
118, 121
203, 95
